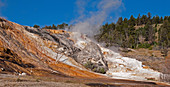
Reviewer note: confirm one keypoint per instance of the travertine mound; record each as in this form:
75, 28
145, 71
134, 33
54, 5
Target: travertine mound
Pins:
29, 51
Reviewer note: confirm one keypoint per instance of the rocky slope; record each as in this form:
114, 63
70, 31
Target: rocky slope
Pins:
25, 50
43, 52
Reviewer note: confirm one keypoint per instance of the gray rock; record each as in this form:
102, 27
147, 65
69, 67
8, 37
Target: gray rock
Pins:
92, 57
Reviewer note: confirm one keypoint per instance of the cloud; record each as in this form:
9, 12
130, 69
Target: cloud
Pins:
2, 4
92, 14
80, 10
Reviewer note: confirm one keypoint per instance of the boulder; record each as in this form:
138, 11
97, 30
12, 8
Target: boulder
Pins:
92, 57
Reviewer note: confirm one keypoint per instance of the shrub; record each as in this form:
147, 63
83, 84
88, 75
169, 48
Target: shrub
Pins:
36, 26
150, 48
102, 70
18, 79
95, 68
89, 65
144, 45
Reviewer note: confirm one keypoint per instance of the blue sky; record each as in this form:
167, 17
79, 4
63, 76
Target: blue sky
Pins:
47, 12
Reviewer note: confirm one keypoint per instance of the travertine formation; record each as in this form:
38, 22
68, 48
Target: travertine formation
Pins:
26, 50
32, 51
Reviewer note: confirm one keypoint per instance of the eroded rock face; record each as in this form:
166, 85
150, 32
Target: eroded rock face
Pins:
65, 45
44, 52
92, 56
33, 51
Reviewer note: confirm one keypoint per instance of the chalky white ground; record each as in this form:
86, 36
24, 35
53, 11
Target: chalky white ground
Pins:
119, 66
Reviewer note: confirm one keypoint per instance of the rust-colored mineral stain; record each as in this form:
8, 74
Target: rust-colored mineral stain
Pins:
31, 45
146, 67
72, 71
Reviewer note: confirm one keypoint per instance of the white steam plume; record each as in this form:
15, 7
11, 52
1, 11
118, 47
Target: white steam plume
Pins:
89, 22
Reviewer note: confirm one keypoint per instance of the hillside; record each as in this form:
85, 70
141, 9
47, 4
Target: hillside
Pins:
27, 51
142, 32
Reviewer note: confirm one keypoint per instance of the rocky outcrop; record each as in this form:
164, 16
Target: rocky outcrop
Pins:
26, 50
41, 52
92, 54
65, 45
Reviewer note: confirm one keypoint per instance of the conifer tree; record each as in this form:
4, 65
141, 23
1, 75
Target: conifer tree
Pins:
161, 20
54, 27
132, 21
144, 19
36, 26
164, 32
120, 20
138, 20
149, 16
169, 18
125, 20
157, 20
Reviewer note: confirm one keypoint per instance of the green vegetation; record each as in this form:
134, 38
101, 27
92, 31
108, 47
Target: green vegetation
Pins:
102, 70
144, 45
53, 26
94, 68
60, 26
36, 26
89, 65
140, 32
18, 79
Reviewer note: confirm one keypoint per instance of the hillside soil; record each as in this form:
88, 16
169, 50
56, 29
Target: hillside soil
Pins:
7, 80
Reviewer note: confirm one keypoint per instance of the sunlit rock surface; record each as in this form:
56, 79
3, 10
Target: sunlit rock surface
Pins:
125, 67
24, 49
119, 66
39, 52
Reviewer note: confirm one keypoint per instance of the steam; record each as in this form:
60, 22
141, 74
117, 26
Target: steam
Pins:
89, 22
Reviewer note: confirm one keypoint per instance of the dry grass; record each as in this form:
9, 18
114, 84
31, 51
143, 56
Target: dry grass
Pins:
35, 81
165, 78
151, 58
154, 60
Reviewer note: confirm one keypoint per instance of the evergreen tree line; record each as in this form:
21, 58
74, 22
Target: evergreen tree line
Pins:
53, 26
140, 32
